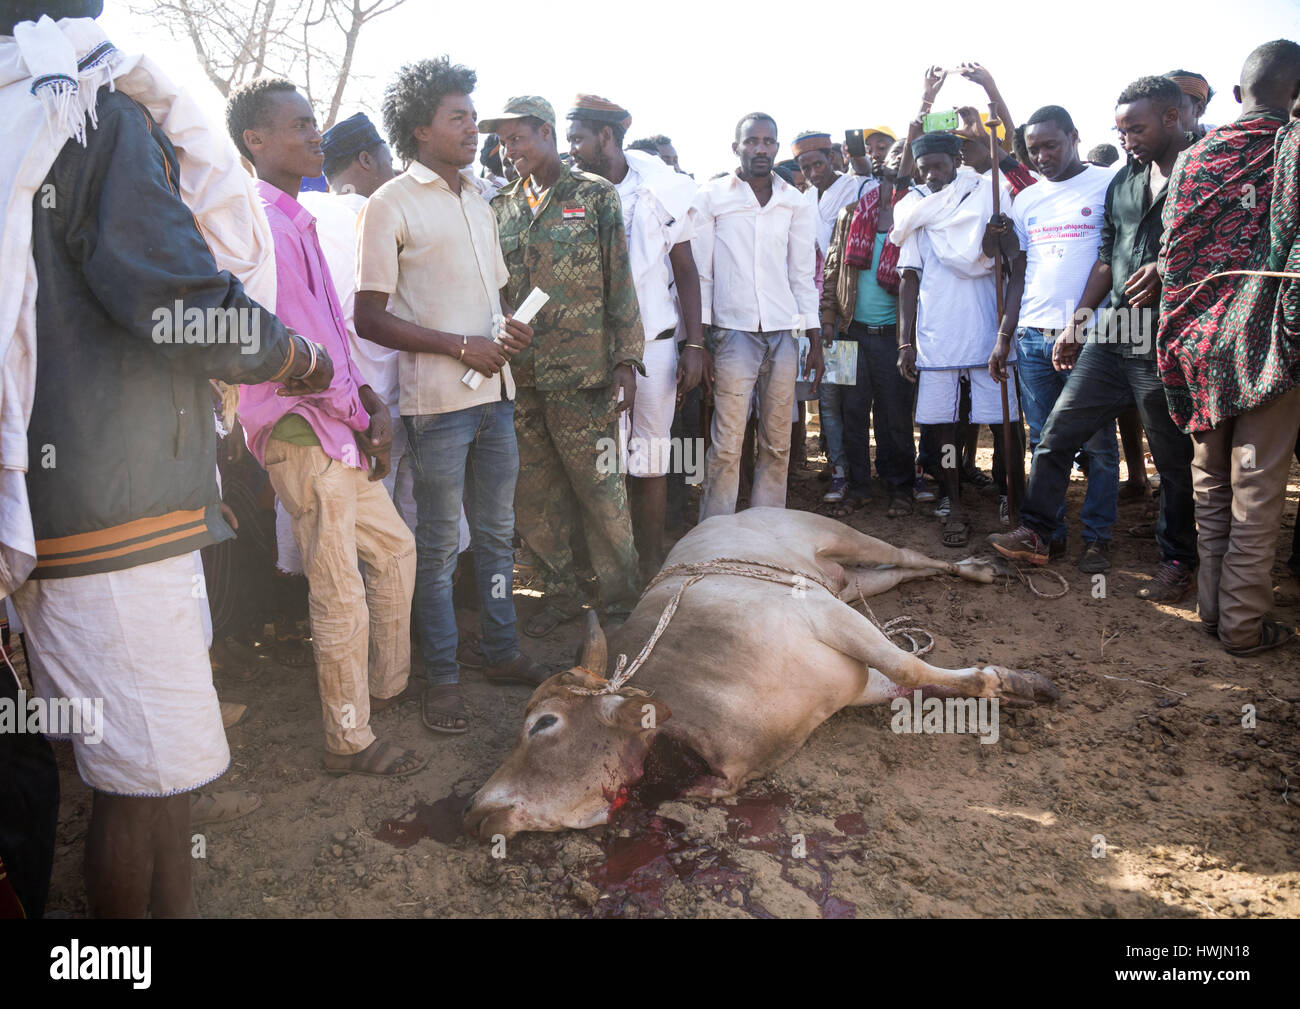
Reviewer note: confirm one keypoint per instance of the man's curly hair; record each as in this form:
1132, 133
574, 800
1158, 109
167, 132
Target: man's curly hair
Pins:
1161, 92
411, 100
247, 107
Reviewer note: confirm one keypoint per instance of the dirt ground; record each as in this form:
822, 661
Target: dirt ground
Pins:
1138, 794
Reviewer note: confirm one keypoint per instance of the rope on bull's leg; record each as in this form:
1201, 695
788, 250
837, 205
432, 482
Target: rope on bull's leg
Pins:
897, 628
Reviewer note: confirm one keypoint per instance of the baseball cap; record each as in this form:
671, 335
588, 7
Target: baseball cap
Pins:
518, 108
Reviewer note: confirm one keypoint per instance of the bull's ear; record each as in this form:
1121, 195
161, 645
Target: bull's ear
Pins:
637, 713
595, 656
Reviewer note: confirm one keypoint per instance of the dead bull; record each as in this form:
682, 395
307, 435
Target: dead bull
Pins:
746, 668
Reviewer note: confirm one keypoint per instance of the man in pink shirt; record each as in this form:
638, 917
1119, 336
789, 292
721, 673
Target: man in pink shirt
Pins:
317, 450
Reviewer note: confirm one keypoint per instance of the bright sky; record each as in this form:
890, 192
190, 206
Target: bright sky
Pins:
691, 68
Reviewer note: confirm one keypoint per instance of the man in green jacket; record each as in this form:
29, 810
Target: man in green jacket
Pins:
562, 231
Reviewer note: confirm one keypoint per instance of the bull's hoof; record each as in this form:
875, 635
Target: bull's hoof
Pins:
1020, 688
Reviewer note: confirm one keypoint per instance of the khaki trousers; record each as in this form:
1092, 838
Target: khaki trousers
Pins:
360, 628
744, 363
1239, 473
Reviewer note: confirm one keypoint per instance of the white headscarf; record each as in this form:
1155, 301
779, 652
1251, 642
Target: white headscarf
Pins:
954, 218
50, 74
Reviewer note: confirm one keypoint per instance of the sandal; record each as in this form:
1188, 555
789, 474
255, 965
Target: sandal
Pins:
221, 807
384, 703
547, 619
1132, 490
956, 533
845, 508
380, 759
232, 713
900, 505
1271, 635
443, 709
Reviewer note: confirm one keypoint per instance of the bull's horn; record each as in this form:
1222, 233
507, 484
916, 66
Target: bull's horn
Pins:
595, 656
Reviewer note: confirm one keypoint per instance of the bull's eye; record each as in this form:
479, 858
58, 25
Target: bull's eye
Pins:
545, 722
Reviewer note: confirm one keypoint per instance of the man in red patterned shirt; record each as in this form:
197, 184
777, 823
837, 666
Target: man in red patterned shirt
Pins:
1232, 377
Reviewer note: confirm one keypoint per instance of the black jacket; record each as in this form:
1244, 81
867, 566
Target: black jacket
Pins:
121, 443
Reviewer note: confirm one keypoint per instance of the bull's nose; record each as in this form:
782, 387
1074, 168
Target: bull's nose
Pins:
484, 821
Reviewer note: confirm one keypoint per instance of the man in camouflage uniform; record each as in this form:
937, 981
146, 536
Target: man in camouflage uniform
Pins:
562, 231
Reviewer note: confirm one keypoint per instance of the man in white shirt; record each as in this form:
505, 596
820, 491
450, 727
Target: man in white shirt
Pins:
657, 217
1057, 224
828, 192
429, 274
948, 319
754, 244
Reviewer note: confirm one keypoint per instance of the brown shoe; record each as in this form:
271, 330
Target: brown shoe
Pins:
232, 714
1171, 583
521, 669
1271, 635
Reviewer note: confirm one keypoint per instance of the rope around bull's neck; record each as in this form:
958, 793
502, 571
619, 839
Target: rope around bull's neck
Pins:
761, 571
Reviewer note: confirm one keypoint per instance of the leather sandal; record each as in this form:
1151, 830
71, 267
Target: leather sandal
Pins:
380, 759
443, 710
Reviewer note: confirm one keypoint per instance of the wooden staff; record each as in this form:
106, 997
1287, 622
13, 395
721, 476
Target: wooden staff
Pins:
1013, 462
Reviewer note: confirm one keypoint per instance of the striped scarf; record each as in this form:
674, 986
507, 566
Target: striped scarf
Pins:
860, 246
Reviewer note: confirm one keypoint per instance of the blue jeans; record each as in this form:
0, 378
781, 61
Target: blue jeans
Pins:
467, 454
1040, 387
830, 406
1103, 386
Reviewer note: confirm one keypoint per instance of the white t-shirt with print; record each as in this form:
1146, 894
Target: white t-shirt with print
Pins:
1058, 224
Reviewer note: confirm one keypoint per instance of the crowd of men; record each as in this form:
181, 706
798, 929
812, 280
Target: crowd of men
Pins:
386, 409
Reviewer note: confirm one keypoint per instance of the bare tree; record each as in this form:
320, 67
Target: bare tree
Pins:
312, 42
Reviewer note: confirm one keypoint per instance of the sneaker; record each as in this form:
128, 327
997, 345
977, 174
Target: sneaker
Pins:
1096, 557
921, 488
1021, 545
1171, 583
836, 493
944, 509
1004, 511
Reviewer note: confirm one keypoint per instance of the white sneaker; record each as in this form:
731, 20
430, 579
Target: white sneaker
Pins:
944, 509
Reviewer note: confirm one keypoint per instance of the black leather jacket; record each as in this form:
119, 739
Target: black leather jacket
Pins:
121, 442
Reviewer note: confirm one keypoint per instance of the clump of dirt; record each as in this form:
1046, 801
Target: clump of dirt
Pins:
1164, 783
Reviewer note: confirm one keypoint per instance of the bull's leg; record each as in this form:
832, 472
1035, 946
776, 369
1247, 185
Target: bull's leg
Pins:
852, 634
844, 545
881, 688
873, 581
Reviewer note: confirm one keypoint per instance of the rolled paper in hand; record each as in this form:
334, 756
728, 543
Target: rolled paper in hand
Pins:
525, 314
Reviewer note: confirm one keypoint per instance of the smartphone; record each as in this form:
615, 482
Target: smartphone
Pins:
940, 122
855, 143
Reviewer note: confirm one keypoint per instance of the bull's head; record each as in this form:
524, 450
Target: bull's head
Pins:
581, 745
